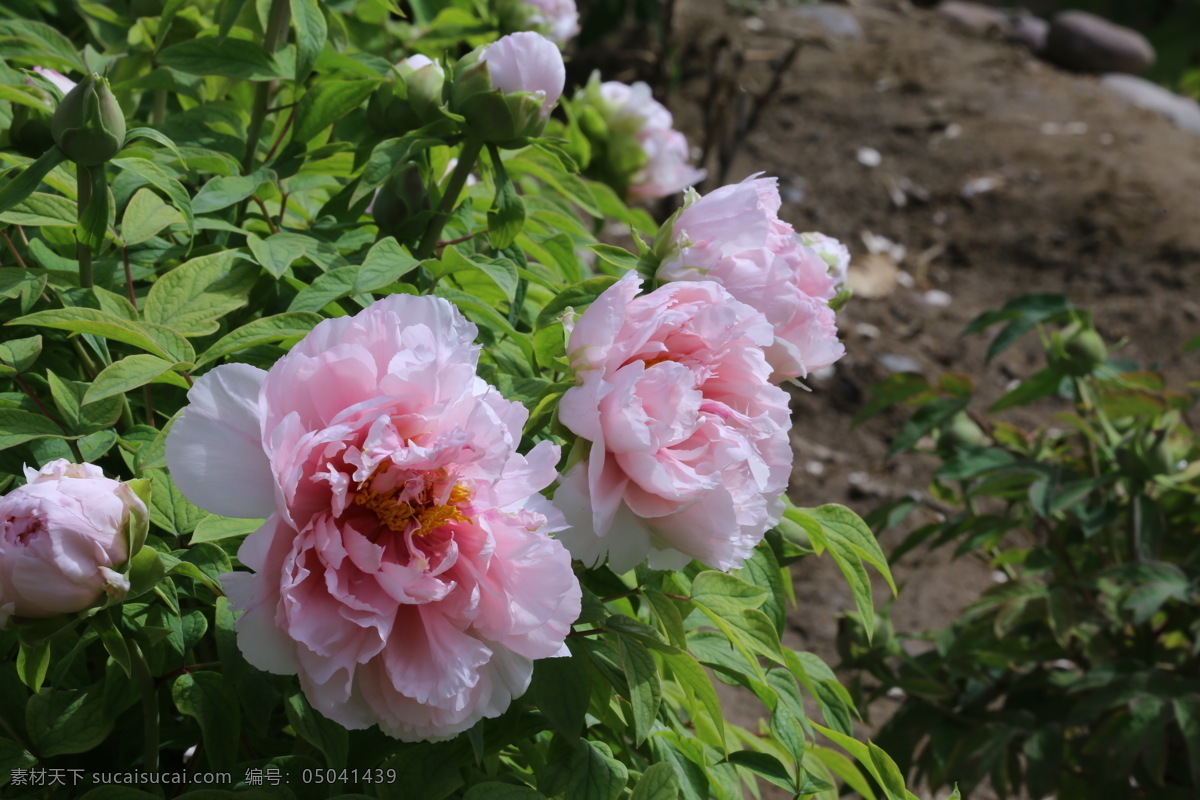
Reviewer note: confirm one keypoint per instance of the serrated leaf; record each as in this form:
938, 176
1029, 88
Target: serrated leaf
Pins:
327, 102
146, 215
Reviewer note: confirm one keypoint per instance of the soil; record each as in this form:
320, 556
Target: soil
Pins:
999, 174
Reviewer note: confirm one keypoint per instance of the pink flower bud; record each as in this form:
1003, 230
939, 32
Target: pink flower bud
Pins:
527, 62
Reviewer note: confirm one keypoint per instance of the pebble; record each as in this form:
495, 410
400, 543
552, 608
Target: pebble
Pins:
1085, 42
869, 157
936, 297
1030, 31
975, 17
1183, 111
895, 362
838, 21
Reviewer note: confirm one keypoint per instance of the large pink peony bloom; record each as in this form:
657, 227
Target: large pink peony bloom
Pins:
734, 236
689, 445
61, 535
404, 571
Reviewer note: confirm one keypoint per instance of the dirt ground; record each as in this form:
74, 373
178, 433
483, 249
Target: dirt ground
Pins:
999, 174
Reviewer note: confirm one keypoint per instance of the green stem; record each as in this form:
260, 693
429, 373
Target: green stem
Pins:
466, 162
83, 179
158, 113
276, 34
145, 681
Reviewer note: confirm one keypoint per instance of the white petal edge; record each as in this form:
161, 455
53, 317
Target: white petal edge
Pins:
214, 449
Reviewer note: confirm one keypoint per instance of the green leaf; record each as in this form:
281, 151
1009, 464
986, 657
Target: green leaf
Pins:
113, 641
205, 697
591, 773
145, 571
169, 509
764, 764
327, 736
327, 288
645, 687
232, 58
193, 296
63, 722
145, 216
13, 757
575, 297
497, 790
386, 262
1187, 717
19, 354
507, 214
277, 252
128, 373
224, 191
726, 594
160, 178
213, 528
617, 256
887, 773
658, 782
289, 325
41, 210
309, 23
39, 44
843, 525
18, 427
22, 186
1041, 384
924, 420
561, 690
27, 286
155, 136
154, 339
33, 659
896, 389
226, 16
696, 684
327, 102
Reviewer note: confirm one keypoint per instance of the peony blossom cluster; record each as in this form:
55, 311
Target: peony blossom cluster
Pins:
637, 147
63, 535
734, 236
688, 450
404, 570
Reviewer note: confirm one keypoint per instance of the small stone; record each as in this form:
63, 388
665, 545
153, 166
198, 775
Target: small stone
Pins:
895, 362
1081, 41
867, 330
974, 17
1183, 111
838, 21
1030, 31
869, 157
938, 298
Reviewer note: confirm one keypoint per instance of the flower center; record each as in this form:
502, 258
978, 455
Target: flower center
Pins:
421, 511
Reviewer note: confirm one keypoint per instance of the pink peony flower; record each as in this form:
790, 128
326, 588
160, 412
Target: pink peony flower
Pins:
560, 18
734, 236
64, 84
634, 116
404, 572
833, 252
527, 62
61, 535
689, 440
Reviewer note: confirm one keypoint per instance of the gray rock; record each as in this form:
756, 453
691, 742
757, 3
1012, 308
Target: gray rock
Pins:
1081, 41
1030, 31
838, 21
1183, 111
974, 17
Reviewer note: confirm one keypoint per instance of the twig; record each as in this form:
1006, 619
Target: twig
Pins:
287, 125
13, 247
266, 214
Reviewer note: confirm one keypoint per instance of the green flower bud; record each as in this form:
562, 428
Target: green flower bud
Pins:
962, 431
1085, 351
412, 100
402, 206
505, 90
89, 126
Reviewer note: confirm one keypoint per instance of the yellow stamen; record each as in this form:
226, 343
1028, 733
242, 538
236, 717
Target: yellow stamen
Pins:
397, 515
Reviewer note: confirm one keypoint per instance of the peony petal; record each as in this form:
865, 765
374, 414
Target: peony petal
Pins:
214, 449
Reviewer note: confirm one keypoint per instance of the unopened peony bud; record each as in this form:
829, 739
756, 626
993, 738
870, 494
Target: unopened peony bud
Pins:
1085, 351
62, 536
411, 100
89, 126
506, 90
